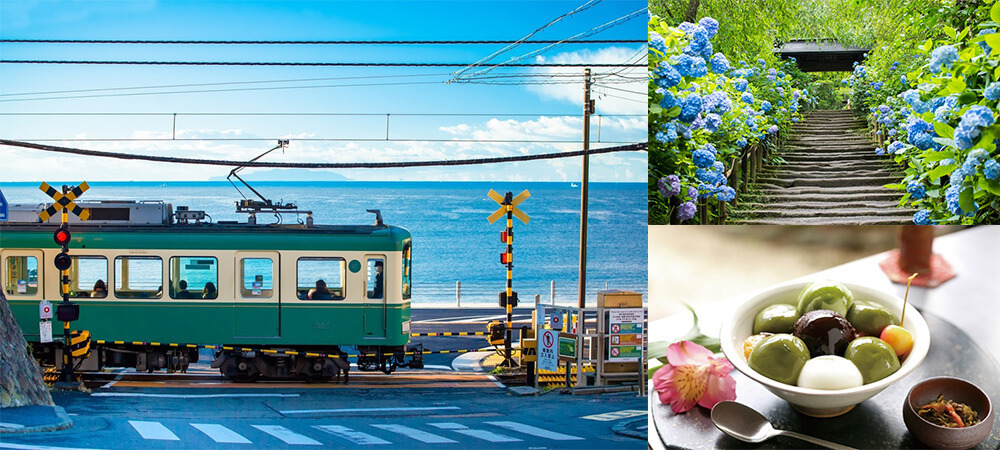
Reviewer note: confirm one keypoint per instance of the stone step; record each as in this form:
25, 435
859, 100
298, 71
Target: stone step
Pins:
832, 210
781, 172
858, 192
792, 205
830, 167
828, 181
827, 221
831, 158
777, 197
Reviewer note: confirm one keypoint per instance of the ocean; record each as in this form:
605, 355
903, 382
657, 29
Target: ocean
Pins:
452, 240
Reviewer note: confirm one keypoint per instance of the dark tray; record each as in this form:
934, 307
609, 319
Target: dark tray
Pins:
875, 423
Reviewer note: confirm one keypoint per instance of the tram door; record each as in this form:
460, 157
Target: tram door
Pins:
375, 305
257, 307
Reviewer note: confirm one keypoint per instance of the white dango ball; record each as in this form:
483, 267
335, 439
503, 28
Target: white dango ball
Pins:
829, 372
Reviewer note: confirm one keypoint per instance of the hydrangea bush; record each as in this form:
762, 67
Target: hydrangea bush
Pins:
943, 126
703, 110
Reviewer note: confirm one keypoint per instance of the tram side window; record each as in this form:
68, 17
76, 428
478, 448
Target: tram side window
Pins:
321, 278
258, 277
138, 277
376, 279
22, 275
194, 277
89, 275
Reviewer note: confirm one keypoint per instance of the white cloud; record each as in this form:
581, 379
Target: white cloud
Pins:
609, 92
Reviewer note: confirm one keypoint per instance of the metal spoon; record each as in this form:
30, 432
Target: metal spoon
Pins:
744, 423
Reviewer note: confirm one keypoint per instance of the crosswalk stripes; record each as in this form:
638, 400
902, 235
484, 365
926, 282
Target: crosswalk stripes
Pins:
221, 434
153, 430
535, 431
480, 434
356, 437
420, 435
287, 436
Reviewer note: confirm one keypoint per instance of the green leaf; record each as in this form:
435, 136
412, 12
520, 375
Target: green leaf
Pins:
967, 97
956, 85
965, 200
993, 40
995, 12
928, 45
940, 171
894, 186
990, 185
934, 193
945, 142
963, 34
937, 156
674, 112
950, 32
655, 110
944, 130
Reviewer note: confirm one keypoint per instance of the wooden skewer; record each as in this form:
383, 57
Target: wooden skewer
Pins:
907, 294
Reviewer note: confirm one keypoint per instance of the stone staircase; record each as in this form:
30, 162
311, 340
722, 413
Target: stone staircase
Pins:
832, 177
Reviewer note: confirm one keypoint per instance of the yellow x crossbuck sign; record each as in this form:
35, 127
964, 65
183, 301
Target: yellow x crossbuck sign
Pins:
503, 207
64, 201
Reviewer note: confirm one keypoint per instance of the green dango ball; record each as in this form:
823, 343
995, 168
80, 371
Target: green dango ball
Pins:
870, 319
825, 294
780, 358
778, 318
873, 356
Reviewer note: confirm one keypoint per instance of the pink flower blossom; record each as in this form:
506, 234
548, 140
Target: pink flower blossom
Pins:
693, 376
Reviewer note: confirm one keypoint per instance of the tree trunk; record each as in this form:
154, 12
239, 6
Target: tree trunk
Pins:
20, 377
692, 11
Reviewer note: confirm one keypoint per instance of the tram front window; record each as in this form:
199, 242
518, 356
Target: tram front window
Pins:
138, 277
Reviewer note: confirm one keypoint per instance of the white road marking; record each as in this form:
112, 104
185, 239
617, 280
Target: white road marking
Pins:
12, 426
535, 431
129, 394
153, 430
615, 415
356, 437
479, 434
364, 410
221, 434
422, 436
37, 447
287, 436
118, 378
437, 367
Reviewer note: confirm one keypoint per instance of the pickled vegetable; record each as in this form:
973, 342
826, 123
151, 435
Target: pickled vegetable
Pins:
825, 294
824, 332
778, 318
780, 358
870, 319
873, 357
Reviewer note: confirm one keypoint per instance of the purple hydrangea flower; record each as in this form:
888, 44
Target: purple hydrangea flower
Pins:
686, 211
772, 129
669, 186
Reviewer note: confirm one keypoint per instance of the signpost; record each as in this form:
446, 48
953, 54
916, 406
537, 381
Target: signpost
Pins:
548, 351
625, 334
66, 311
508, 299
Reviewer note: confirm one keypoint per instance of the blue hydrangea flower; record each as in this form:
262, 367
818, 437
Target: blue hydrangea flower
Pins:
772, 129
747, 98
765, 106
944, 55
740, 84
711, 25
684, 130
762, 63
712, 122
879, 151
983, 45
923, 217
992, 91
687, 27
705, 175
667, 76
919, 133
719, 63
894, 66
717, 102
668, 101
968, 128
703, 158
741, 142
683, 64
991, 169
690, 108
884, 109
669, 186
685, 211
896, 146
902, 78
698, 68
795, 119
877, 85
979, 155
656, 42
917, 190
725, 194
951, 198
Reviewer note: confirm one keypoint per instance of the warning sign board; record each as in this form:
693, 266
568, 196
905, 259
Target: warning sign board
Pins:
625, 334
45, 331
567, 347
548, 351
44, 309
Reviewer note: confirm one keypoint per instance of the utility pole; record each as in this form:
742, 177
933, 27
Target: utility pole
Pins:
588, 109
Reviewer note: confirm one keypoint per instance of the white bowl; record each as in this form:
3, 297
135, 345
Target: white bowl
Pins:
818, 402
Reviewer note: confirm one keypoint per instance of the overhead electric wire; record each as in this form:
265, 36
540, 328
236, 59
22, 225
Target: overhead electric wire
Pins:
296, 64
215, 162
357, 114
457, 141
333, 42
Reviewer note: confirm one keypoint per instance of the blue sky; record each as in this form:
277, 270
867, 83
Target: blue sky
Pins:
477, 112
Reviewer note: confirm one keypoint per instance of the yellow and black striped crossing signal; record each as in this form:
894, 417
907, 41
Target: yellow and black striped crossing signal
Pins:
508, 298
64, 201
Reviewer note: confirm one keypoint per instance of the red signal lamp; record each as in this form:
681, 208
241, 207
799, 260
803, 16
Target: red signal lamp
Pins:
506, 258
61, 236
63, 261
503, 237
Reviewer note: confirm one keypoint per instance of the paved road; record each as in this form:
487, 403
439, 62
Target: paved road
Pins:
486, 417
